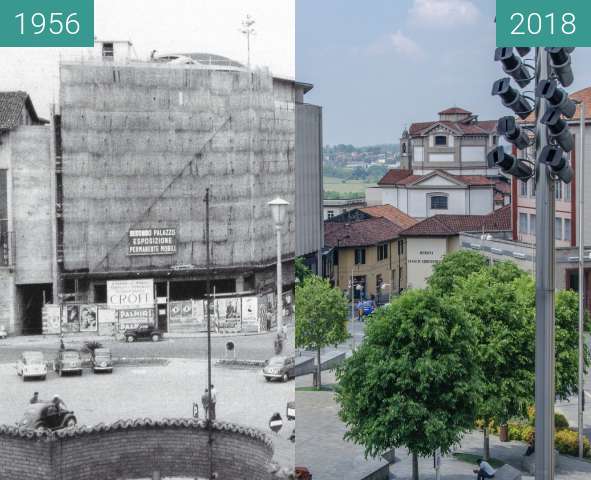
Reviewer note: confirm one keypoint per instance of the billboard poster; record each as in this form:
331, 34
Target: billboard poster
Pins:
52, 319
107, 321
186, 316
228, 312
130, 293
132, 317
266, 304
151, 241
70, 318
88, 318
250, 320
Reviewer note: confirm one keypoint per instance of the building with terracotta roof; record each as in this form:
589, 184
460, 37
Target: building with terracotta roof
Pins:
457, 142
437, 192
364, 244
26, 200
427, 242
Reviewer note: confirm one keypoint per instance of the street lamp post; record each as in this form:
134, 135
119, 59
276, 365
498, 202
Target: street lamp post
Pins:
279, 212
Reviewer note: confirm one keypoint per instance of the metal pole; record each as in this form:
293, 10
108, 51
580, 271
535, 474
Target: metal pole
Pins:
208, 293
279, 286
581, 241
545, 207
352, 310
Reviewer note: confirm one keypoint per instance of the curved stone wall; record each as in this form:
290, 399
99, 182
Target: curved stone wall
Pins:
131, 449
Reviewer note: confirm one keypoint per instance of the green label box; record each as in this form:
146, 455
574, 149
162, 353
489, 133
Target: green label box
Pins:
543, 23
46, 23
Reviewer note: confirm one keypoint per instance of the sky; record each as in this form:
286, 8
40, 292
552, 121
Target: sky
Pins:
379, 65
167, 26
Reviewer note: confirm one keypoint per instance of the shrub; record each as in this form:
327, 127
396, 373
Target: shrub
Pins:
528, 433
567, 442
516, 430
560, 422
90, 346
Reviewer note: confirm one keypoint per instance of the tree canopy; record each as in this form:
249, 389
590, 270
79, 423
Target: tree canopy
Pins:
321, 314
454, 267
415, 380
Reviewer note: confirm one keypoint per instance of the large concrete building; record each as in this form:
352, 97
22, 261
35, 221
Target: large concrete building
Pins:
26, 198
132, 149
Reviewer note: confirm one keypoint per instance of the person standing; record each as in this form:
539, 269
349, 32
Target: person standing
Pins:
205, 403
34, 398
214, 400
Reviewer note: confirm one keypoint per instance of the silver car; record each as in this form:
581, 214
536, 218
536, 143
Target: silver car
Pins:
31, 364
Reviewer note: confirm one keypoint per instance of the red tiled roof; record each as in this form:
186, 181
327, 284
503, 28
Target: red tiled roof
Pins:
484, 127
389, 212
11, 107
448, 225
406, 177
454, 110
359, 234
393, 176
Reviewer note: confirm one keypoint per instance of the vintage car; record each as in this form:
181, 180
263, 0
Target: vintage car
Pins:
143, 332
102, 360
282, 368
44, 415
68, 361
31, 364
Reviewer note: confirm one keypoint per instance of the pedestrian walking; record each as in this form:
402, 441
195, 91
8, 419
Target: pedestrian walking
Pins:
214, 399
205, 403
34, 398
62, 346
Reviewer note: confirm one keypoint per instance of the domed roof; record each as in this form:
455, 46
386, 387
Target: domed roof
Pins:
213, 59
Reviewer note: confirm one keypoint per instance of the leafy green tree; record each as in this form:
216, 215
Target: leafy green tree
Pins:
415, 379
321, 316
301, 270
453, 267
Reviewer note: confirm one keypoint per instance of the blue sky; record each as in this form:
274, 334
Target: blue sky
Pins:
379, 65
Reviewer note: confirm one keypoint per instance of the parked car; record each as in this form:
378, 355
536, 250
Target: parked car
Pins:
68, 361
279, 367
102, 360
44, 415
143, 332
302, 473
31, 364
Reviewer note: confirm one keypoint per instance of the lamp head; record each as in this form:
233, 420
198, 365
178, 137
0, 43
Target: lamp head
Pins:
278, 210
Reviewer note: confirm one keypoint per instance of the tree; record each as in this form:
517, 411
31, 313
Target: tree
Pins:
301, 270
415, 379
453, 267
321, 316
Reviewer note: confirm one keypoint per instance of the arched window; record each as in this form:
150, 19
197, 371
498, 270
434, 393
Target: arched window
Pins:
404, 148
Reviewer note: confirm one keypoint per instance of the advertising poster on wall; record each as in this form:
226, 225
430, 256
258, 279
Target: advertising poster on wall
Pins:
250, 320
70, 318
228, 311
267, 318
107, 321
51, 319
199, 314
130, 293
133, 317
88, 318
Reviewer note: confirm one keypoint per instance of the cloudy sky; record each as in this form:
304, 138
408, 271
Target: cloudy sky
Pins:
171, 26
379, 65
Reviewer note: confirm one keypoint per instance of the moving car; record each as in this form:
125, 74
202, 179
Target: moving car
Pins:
143, 332
279, 367
68, 361
102, 360
31, 364
44, 415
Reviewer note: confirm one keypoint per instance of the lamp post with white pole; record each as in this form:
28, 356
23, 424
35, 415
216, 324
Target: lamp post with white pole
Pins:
279, 212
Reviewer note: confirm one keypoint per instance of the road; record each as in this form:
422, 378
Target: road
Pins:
158, 391
251, 347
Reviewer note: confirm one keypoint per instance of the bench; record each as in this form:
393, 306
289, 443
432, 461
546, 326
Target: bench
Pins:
507, 472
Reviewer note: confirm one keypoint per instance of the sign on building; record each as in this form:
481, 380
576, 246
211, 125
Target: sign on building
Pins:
132, 317
130, 293
152, 241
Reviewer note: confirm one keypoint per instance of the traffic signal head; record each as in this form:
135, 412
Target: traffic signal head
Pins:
513, 66
557, 97
560, 61
509, 164
559, 130
512, 98
508, 128
553, 156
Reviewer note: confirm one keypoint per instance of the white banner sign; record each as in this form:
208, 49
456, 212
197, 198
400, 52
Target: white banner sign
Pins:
130, 293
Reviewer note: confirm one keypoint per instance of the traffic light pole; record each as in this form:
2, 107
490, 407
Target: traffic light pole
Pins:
545, 207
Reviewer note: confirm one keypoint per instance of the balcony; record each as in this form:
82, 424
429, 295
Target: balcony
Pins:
7, 249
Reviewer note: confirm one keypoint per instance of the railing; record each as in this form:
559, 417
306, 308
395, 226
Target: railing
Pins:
7, 247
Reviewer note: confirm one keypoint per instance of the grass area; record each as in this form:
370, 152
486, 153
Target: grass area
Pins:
339, 185
470, 458
325, 388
